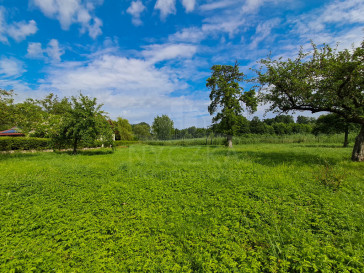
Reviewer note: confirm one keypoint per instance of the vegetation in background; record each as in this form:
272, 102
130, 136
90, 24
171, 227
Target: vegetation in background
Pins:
334, 124
226, 97
142, 131
162, 127
122, 129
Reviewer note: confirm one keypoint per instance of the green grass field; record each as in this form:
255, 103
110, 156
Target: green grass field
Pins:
254, 208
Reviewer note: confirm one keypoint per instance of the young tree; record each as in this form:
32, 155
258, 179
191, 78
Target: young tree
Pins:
327, 80
163, 127
84, 121
226, 97
123, 129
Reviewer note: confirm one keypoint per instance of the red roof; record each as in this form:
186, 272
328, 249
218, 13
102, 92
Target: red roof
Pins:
11, 132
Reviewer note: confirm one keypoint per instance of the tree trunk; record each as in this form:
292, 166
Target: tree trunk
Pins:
358, 151
75, 146
346, 141
229, 139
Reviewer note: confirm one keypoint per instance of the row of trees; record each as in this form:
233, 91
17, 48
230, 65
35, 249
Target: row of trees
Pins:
67, 121
322, 80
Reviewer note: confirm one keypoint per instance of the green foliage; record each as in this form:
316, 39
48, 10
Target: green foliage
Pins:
252, 208
142, 131
162, 127
6, 109
333, 124
226, 97
325, 80
123, 130
329, 176
24, 143
85, 122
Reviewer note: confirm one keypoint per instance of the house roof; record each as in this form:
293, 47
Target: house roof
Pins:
15, 131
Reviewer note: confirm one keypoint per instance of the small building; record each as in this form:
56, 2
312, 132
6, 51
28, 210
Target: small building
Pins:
13, 132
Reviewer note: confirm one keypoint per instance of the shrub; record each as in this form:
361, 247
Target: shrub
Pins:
24, 143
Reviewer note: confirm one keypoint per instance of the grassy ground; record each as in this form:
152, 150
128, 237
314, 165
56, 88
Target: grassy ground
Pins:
254, 208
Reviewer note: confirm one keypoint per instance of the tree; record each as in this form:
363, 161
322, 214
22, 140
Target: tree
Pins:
84, 121
162, 127
334, 124
141, 130
226, 97
6, 109
326, 80
123, 130
305, 120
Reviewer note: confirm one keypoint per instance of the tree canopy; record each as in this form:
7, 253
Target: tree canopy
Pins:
324, 80
162, 127
226, 99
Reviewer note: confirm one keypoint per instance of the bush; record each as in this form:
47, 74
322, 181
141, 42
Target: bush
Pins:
24, 143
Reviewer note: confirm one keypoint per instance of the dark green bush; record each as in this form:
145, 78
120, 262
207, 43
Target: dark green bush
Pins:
24, 143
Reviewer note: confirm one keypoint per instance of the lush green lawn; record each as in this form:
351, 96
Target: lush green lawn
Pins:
255, 208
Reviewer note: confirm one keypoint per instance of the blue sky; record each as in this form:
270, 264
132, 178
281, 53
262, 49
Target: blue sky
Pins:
143, 58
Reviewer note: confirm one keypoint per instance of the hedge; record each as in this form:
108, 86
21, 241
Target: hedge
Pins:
24, 143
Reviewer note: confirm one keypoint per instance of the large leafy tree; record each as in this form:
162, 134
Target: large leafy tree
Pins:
226, 99
324, 80
84, 121
162, 127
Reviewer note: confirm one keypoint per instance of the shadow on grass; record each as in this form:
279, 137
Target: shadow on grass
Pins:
7, 156
282, 157
322, 146
87, 152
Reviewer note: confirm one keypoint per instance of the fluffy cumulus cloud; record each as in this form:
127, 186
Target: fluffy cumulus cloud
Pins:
11, 67
135, 10
16, 30
51, 53
165, 7
128, 87
68, 12
189, 5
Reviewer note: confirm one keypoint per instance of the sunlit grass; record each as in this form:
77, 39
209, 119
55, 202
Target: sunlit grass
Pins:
253, 208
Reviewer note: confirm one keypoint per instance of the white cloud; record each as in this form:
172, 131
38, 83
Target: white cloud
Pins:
132, 88
135, 9
189, 5
68, 12
35, 51
262, 31
217, 5
16, 30
165, 7
252, 5
52, 53
10, 67
20, 30
158, 53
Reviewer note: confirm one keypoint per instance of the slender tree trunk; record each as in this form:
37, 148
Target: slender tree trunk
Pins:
358, 151
75, 146
229, 139
346, 141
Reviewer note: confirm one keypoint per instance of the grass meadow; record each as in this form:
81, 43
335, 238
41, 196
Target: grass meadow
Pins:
293, 207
